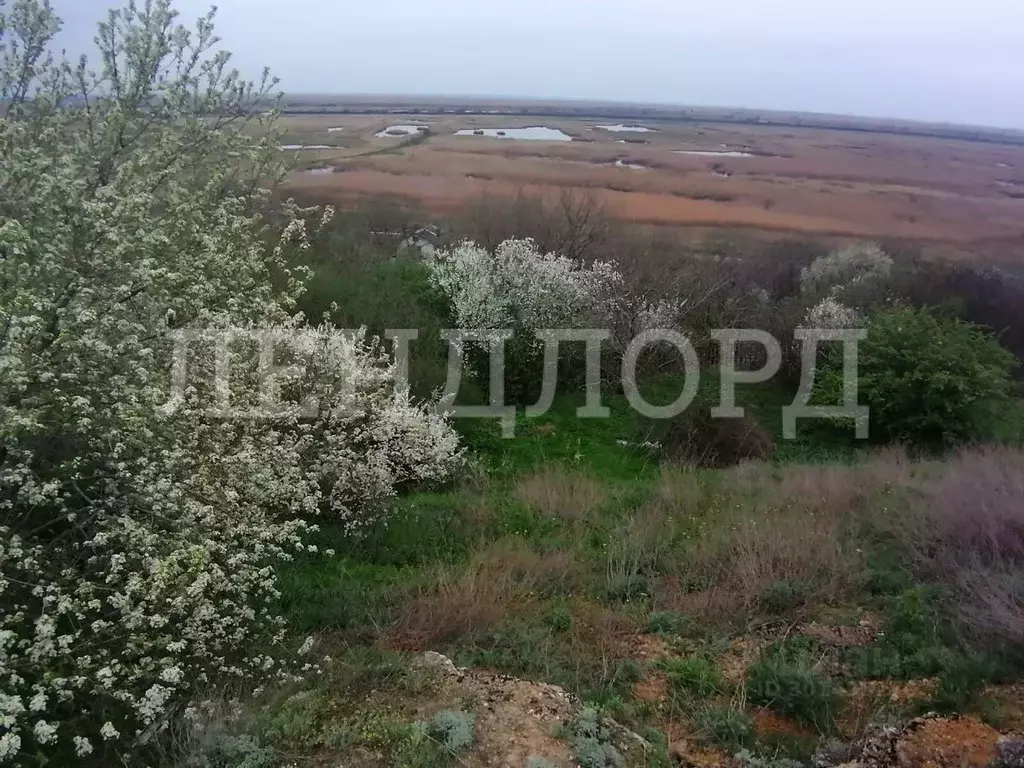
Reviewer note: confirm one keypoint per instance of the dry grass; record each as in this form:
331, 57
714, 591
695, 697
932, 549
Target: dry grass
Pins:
965, 530
774, 539
807, 180
562, 493
644, 547
502, 580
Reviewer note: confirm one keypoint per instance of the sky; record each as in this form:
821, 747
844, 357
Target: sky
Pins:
940, 60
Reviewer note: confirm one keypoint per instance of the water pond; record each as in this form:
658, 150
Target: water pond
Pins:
533, 133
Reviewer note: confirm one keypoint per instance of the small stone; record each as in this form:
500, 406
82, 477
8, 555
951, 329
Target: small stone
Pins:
437, 662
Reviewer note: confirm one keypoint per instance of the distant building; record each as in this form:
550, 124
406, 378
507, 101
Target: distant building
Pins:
424, 239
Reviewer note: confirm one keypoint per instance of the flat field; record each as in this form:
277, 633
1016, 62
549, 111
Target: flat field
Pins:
820, 177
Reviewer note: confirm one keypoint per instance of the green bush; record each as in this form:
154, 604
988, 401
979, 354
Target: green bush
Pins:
229, 751
558, 619
928, 379
695, 676
697, 438
781, 597
452, 729
592, 741
787, 680
728, 727
667, 623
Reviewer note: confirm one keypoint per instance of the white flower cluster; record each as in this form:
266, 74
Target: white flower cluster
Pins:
846, 266
830, 313
370, 439
138, 538
831, 274
520, 287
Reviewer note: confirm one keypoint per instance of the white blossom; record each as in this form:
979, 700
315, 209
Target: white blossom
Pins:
830, 313
518, 286
138, 539
845, 267
10, 744
44, 732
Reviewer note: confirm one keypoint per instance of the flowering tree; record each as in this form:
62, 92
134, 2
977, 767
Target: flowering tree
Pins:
519, 286
831, 313
843, 282
139, 527
858, 263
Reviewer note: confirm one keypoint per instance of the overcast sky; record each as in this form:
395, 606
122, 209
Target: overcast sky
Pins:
948, 60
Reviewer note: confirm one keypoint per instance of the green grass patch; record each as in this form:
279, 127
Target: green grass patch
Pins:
789, 679
695, 676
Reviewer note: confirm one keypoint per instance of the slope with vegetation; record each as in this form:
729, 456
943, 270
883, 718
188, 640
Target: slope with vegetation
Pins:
183, 583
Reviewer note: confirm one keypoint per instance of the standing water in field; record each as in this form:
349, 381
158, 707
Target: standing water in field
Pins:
397, 131
533, 133
626, 128
713, 152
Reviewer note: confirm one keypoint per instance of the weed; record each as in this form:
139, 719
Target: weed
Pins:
454, 730
558, 619
592, 741
666, 623
747, 759
298, 720
965, 533
497, 582
561, 493
788, 679
233, 751
695, 676
782, 597
726, 726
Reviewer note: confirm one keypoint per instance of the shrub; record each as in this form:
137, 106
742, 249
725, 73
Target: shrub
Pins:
666, 623
230, 751
965, 533
987, 295
860, 263
732, 728
454, 730
927, 379
695, 676
592, 741
139, 534
746, 759
780, 263
787, 679
558, 619
697, 438
781, 597
574, 224
520, 288
831, 313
